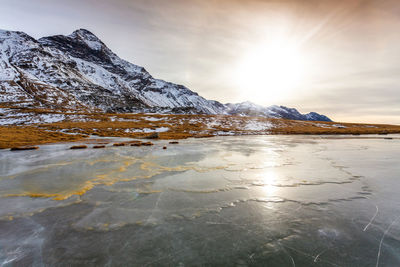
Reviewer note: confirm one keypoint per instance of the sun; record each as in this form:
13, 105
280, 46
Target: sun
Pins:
269, 73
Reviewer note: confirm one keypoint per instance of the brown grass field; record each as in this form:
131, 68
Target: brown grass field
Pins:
178, 127
27, 136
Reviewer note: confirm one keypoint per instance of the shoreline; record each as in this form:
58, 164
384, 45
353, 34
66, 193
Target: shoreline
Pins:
29, 136
31, 127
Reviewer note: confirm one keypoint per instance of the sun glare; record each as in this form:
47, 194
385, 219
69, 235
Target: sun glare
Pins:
269, 73
269, 178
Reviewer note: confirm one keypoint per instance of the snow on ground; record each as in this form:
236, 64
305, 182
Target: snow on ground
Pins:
51, 118
213, 123
158, 130
258, 126
153, 119
11, 121
223, 133
338, 126
148, 130
126, 120
221, 122
370, 126
322, 125
30, 118
13, 117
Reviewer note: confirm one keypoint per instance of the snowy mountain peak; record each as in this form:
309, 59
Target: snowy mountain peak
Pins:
83, 33
88, 38
80, 40
4, 34
14, 41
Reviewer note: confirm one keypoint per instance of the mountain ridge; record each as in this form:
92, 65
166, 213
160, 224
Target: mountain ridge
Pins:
79, 72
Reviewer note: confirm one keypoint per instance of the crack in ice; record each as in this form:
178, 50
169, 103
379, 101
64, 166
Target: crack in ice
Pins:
372, 219
383, 237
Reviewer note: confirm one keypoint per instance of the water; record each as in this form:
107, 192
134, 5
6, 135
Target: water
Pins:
233, 201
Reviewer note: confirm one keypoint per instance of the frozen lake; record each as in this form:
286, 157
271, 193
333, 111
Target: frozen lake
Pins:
233, 201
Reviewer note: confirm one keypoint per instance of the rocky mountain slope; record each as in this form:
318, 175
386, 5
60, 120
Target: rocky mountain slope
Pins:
251, 109
79, 72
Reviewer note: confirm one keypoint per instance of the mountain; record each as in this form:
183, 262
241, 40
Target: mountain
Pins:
79, 72
251, 109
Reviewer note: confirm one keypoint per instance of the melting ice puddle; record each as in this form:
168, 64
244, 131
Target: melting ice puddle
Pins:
253, 200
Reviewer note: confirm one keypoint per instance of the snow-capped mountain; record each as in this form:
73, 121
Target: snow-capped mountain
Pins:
251, 109
79, 72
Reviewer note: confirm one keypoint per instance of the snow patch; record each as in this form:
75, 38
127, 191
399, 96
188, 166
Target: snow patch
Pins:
147, 130
158, 130
153, 119
258, 126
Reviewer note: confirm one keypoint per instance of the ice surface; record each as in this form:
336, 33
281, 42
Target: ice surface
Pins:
249, 200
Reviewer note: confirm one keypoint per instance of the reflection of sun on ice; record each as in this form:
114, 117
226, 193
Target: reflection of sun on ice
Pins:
270, 72
268, 179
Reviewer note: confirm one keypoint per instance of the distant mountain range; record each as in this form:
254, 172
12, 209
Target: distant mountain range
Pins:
79, 72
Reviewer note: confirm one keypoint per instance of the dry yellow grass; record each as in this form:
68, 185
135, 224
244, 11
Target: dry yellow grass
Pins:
28, 136
180, 127
302, 127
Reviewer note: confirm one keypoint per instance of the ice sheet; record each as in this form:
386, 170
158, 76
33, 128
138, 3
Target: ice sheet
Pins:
249, 200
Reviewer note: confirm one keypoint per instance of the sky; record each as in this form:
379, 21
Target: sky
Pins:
340, 58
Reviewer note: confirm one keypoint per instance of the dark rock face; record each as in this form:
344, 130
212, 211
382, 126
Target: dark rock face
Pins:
80, 72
